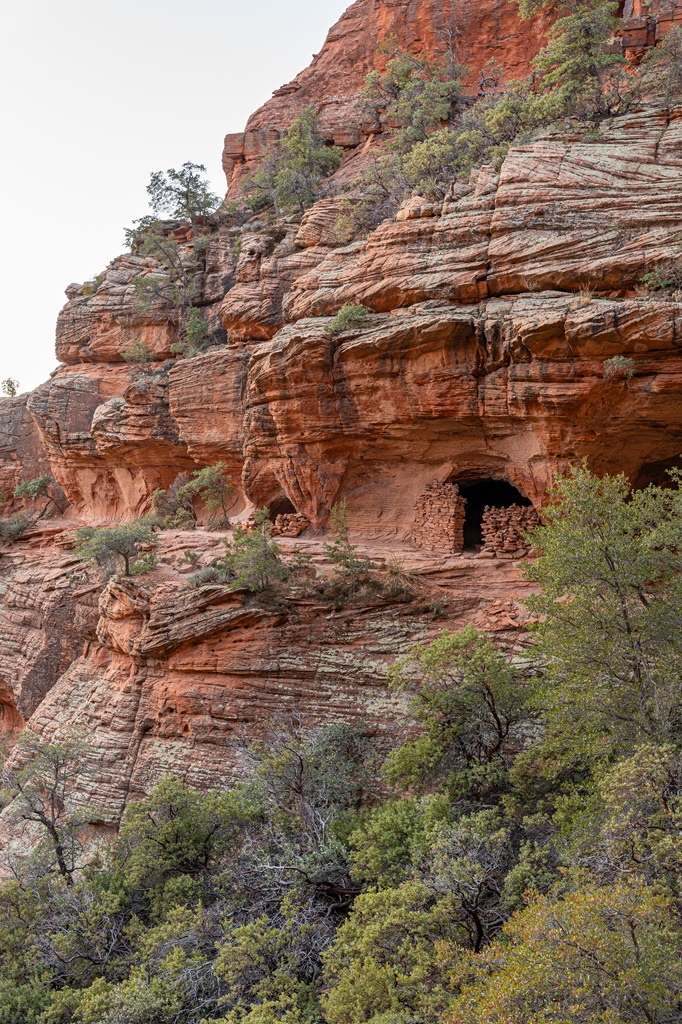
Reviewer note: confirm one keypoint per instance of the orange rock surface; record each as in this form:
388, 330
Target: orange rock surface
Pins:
440, 30
482, 358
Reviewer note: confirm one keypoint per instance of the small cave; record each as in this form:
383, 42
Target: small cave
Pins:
477, 495
11, 722
280, 507
657, 473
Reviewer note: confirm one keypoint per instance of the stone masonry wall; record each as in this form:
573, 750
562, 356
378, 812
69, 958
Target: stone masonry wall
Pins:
504, 529
439, 519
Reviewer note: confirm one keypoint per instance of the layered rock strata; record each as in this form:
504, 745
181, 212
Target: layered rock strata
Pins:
492, 316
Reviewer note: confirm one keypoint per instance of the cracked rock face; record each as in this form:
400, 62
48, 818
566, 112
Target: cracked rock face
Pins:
491, 317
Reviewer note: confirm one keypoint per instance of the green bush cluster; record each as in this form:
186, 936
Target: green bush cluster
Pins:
174, 283
513, 856
211, 485
46, 497
293, 174
127, 547
436, 138
349, 318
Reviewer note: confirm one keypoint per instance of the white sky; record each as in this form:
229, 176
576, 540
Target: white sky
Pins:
96, 96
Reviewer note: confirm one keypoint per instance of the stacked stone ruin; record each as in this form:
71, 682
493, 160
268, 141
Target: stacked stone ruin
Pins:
290, 524
439, 519
504, 530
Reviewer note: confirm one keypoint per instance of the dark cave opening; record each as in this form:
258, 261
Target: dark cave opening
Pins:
480, 493
657, 473
280, 507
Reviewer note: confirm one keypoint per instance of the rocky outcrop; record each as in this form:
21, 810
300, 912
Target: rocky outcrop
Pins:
22, 454
482, 361
440, 30
166, 679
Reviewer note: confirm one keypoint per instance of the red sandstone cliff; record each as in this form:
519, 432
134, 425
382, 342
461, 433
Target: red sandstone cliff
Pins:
472, 33
483, 358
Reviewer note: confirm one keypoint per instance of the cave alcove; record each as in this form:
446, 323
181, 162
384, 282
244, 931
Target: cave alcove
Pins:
280, 507
478, 494
657, 473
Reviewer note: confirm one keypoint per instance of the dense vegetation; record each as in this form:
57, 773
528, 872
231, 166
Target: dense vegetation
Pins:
513, 856
440, 137
438, 133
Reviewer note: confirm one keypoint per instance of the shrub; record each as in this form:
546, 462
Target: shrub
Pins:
195, 336
400, 582
662, 68
13, 528
581, 72
666, 277
348, 318
598, 955
341, 552
10, 387
217, 572
212, 485
374, 196
139, 357
174, 508
109, 547
253, 556
291, 177
415, 95
471, 704
40, 487
619, 368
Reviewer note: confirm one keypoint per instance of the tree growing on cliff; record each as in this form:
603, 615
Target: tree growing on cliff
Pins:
662, 68
139, 356
10, 387
182, 194
176, 282
341, 552
414, 95
174, 285
213, 486
174, 508
253, 556
292, 176
610, 612
42, 490
128, 544
582, 73
472, 705
40, 781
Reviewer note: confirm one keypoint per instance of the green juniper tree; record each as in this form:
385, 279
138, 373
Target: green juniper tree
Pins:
472, 705
213, 486
341, 552
292, 176
175, 283
40, 782
610, 611
580, 72
414, 95
116, 545
253, 556
182, 194
174, 508
45, 488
